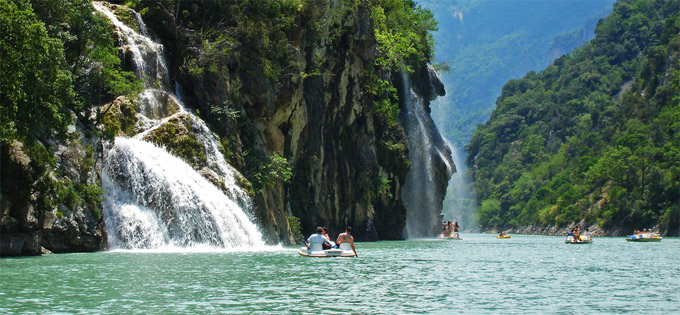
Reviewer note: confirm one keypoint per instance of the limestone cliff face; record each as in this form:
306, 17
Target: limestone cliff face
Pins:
349, 165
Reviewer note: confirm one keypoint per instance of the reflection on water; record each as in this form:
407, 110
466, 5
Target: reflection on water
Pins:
481, 274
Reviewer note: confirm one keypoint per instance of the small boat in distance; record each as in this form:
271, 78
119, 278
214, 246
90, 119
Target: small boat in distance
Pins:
316, 250
571, 240
503, 235
453, 236
644, 237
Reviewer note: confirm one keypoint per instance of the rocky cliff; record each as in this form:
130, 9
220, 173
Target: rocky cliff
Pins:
300, 105
349, 164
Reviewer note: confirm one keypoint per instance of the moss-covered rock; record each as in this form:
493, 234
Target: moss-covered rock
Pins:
178, 137
119, 118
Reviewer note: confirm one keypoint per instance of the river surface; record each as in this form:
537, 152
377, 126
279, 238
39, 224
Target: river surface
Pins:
480, 274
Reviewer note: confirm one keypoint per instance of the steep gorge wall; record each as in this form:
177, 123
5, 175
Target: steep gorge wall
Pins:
300, 108
348, 164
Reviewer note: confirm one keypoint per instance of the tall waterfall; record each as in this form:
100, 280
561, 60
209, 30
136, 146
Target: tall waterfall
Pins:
427, 153
460, 203
154, 199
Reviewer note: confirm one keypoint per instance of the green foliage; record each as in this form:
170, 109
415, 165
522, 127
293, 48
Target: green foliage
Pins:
385, 98
275, 171
402, 30
295, 227
57, 57
381, 188
35, 85
594, 136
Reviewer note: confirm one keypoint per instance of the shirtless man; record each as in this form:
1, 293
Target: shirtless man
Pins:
346, 238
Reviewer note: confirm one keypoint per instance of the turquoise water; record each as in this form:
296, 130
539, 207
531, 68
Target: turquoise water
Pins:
480, 274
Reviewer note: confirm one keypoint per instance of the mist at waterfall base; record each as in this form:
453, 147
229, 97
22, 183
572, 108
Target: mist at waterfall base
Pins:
154, 200
460, 203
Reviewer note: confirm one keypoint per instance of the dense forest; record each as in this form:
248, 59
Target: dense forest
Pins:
594, 138
485, 43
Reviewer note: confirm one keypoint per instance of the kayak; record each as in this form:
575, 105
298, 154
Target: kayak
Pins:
504, 236
315, 250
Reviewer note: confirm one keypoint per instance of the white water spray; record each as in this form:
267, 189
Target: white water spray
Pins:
420, 192
154, 199
460, 203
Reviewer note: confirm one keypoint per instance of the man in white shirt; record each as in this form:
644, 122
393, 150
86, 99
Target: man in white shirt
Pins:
317, 238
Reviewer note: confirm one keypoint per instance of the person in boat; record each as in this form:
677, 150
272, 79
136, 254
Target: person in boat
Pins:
317, 238
455, 228
501, 233
445, 229
347, 238
577, 234
328, 244
570, 235
586, 235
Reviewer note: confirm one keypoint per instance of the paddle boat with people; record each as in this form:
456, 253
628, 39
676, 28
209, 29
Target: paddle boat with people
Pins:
320, 245
645, 236
452, 236
572, 239
316, 250
575, 237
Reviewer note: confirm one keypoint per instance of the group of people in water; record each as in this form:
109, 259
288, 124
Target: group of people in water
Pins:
450, 229
578, 236
322, 238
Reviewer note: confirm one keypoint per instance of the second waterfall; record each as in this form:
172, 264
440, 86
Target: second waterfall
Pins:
154, 199
431, 162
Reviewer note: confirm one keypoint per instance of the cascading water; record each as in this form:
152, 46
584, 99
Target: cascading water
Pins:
154, 199
422, 199
460, 203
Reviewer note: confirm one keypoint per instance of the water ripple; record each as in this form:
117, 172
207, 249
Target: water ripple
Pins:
526, 274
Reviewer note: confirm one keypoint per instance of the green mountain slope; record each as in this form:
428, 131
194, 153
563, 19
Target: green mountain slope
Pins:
487, 43
594, 138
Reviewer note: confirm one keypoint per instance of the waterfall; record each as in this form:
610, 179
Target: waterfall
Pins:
154, 199
460, 203
427, 153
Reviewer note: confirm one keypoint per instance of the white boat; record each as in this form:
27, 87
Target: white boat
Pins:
644, 237
571, 240
316, 250
454, 236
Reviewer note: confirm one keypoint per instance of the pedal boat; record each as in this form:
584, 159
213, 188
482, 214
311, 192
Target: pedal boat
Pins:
454, 236
571, 240
316, 250
644, 238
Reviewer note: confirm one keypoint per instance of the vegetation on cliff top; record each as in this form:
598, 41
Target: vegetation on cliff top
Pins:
595, 136
58, 62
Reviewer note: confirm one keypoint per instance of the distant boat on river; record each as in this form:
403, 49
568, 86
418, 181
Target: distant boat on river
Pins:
571, 240
453, 236
644, 237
